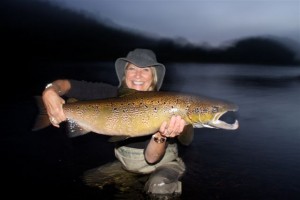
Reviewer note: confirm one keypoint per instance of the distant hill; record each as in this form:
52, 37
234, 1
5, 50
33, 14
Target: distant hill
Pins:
38, 30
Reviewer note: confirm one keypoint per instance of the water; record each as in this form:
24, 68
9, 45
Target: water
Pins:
260, 160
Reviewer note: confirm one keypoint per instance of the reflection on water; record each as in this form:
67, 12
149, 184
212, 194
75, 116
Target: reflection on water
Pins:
260, 160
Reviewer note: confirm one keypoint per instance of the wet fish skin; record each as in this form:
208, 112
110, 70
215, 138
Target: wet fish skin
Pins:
141, 113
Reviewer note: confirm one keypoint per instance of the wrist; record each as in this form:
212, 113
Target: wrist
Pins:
158, 138
55, 87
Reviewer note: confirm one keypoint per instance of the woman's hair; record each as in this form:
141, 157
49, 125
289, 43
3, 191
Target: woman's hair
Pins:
153, 86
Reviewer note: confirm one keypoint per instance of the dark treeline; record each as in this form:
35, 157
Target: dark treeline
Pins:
38, 30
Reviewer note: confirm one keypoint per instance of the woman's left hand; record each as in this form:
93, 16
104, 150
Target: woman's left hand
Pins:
174, 128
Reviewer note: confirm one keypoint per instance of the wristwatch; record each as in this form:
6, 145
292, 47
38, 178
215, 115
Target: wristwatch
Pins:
48, 85
56, 87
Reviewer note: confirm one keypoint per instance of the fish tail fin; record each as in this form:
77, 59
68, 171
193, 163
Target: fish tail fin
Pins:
42, 119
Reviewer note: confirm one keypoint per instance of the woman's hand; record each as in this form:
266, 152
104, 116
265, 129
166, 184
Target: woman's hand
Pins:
174, 128
54, 105
157, 145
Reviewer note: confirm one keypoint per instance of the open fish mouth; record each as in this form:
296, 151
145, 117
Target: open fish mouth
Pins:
224, 125
224, 121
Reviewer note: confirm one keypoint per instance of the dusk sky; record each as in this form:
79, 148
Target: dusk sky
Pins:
198, 21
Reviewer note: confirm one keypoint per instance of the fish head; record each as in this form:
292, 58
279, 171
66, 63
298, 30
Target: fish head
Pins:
214, 114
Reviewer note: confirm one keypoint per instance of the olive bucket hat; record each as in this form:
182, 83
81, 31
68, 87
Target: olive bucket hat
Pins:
141, 58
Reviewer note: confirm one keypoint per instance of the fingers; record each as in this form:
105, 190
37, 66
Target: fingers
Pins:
56, 114
163, 128
54, 122
174, 128
54, 105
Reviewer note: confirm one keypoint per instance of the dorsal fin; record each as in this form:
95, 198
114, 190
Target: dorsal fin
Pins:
71, 100
126, 91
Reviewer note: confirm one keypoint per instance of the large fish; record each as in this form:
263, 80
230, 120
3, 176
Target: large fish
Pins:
139, 113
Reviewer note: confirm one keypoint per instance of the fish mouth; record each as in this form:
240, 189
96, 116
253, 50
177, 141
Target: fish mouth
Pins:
219, 121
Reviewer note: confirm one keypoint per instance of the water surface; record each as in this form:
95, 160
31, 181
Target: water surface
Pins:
260, 160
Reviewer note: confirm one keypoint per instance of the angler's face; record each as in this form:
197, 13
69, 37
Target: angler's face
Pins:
138, 78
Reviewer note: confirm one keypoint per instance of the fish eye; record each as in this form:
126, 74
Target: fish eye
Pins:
215, 109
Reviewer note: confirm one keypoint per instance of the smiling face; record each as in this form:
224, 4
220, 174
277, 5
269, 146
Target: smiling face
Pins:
138, 78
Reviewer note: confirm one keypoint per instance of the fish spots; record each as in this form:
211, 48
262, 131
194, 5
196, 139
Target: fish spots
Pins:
202, 110
197, 110
79, 111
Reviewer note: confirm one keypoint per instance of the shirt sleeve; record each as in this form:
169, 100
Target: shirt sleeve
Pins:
84, 90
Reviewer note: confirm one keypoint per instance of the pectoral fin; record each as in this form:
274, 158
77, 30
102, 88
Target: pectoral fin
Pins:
117, 138
187, 135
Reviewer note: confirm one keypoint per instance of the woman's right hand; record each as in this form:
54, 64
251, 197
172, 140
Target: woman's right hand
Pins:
54, 106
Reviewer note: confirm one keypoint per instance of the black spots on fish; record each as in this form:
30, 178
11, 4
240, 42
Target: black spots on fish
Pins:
130, 104
94, 107
197, 110
187, 106
79, 110
213, 109
116, 110
155, 109
155, 101
200, 110
141, 104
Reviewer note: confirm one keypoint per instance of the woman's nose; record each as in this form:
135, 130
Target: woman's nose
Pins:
138, 73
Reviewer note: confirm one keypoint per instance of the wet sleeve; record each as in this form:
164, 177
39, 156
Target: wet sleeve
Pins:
85, 90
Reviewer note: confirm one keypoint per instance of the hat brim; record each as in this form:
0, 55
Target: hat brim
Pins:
120, 69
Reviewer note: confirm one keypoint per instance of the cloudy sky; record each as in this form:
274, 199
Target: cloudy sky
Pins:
199, 21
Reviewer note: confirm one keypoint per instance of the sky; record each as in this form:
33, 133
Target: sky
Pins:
212, 22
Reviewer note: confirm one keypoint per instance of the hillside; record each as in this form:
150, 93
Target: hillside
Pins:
37, 30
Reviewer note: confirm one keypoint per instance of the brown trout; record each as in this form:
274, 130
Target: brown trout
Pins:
141, 113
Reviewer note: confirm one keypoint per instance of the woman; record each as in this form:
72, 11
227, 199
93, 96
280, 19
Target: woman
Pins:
157, 154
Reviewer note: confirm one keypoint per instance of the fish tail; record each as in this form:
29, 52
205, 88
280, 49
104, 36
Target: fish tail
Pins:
42, 119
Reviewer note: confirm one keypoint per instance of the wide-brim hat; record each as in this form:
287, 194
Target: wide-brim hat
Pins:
141, 58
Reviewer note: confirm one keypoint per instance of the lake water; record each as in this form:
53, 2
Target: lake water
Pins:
260, 160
